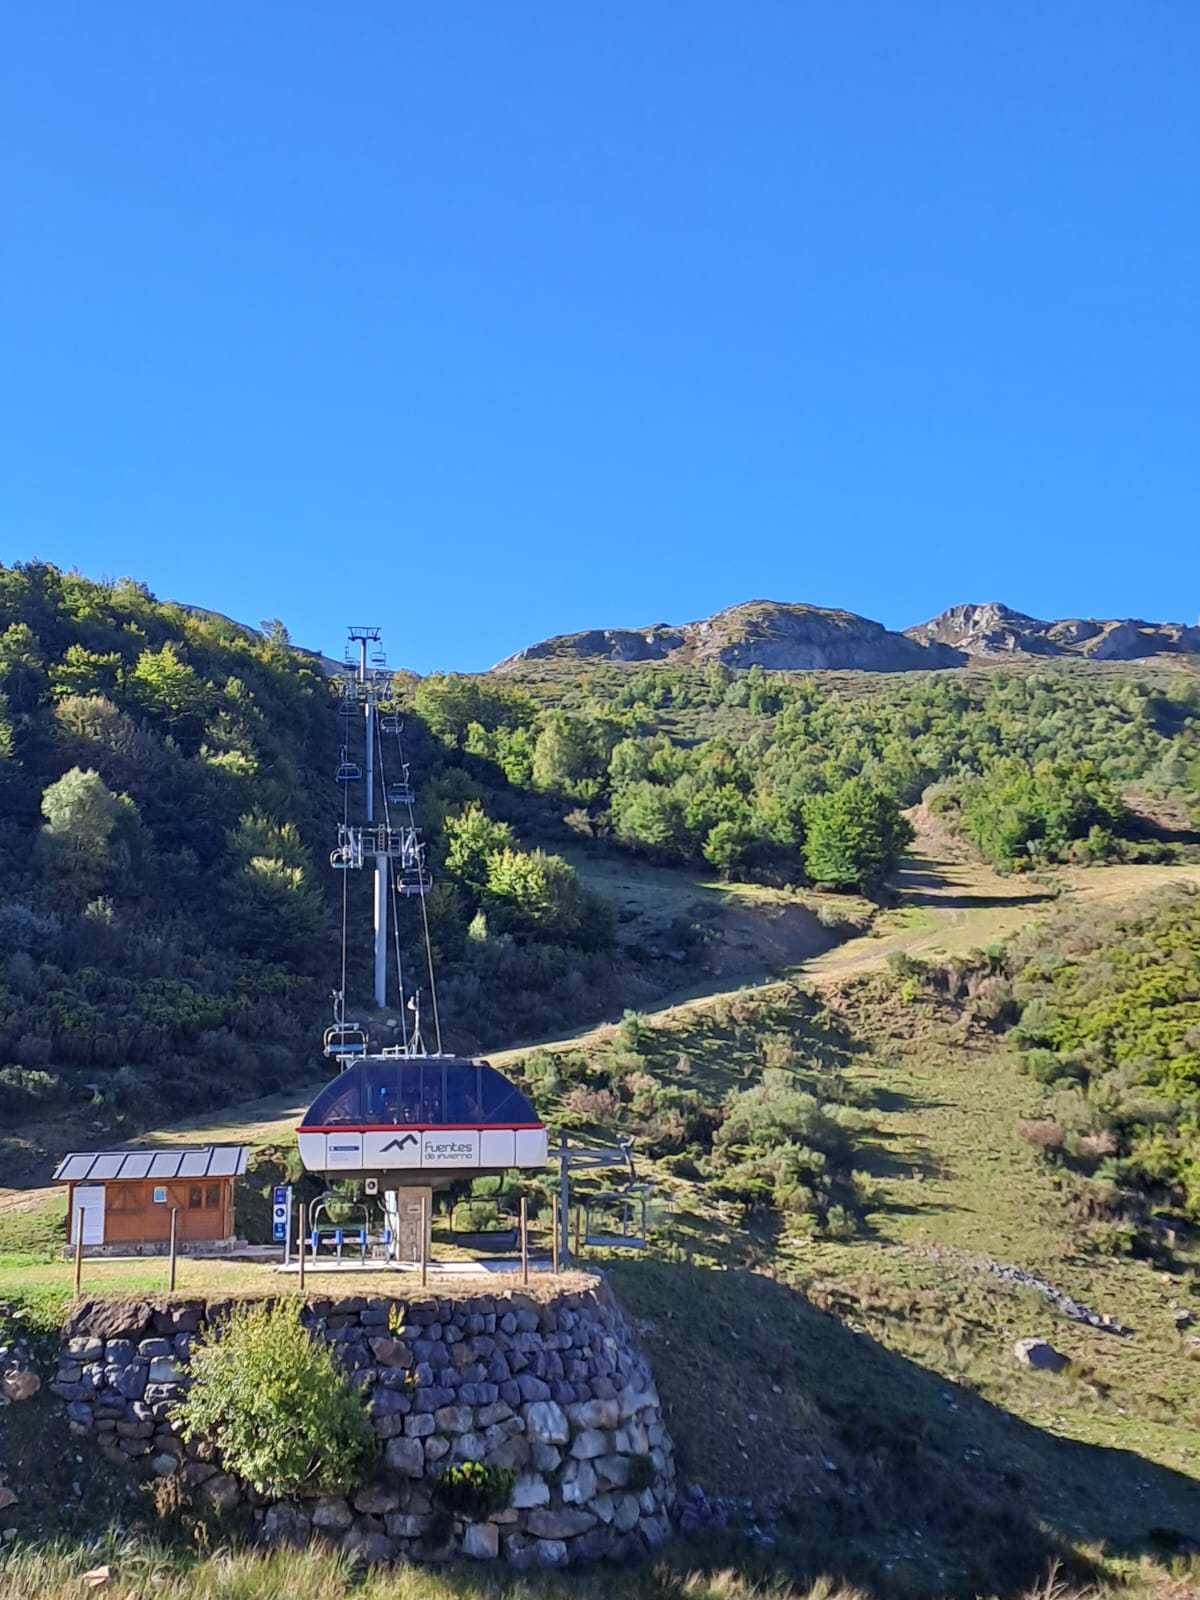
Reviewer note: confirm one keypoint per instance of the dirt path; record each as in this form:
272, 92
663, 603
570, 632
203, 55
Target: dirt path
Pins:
945, 905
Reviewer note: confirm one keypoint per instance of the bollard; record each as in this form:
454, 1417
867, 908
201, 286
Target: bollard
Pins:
174, 1228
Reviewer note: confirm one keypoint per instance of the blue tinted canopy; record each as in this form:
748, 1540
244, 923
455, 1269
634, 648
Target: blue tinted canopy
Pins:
436, 1091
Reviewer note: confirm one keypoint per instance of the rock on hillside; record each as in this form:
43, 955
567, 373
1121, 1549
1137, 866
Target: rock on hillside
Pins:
993, 630
764, 633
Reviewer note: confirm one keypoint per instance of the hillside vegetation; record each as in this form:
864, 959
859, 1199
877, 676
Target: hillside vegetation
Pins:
1109, 1022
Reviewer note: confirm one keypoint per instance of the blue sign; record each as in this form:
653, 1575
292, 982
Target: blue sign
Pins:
281, 1206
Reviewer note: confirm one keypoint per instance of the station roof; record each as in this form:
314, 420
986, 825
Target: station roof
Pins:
178, 1161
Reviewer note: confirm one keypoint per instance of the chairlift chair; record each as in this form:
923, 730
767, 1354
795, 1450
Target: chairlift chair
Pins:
503, 1239
390, 722
345, 1039
414, 880
401, 790
616, 1218
348, 771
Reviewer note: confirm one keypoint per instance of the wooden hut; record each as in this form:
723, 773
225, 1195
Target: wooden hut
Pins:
122, 1200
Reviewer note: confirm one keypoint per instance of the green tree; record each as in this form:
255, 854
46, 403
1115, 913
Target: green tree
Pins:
82, 836
854, 835
275, 906
169, 691
471, 838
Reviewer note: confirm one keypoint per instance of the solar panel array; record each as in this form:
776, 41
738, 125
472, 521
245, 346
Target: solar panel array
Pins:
104, 1166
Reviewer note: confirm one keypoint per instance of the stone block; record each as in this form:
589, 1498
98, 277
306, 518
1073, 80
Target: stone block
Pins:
481, 1541
594, 1414
285, 1524
376, 1499
420, 1425
471, 1447
331, 1514
613, 1469
164, 1368
404, 1525
454, 1419
549, 1552
546, 1423
578, 1483
406, 1457
564, 1524
591, 1442
221, 1492
627, 1513
530, 1490
373, 1549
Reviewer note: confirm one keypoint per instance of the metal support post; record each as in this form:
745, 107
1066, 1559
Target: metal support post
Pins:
554, 1238
562, 1245
303, 1241
424, 1240
369, 763
524, 1240
174, 1228
78, 1249
381, 930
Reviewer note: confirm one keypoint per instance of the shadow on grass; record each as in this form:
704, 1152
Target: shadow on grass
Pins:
873, 1469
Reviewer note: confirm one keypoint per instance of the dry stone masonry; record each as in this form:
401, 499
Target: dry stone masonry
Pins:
555, 1392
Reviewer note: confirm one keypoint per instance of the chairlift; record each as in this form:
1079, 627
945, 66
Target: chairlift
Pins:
414, 880
345, 1039
615, 1219
348, 771
401, 793
390, 722
502, 1239
349, 852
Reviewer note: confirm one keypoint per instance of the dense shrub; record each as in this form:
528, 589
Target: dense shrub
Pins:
271, 1397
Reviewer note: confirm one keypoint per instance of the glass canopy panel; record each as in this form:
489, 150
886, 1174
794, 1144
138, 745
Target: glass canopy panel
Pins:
385, 1091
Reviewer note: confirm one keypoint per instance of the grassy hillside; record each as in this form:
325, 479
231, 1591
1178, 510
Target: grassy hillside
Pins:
844, 1103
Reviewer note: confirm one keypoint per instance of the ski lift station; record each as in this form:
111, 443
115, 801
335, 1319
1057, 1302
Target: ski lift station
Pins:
430, 1120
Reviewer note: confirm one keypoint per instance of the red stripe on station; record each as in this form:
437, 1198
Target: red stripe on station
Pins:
424, 1127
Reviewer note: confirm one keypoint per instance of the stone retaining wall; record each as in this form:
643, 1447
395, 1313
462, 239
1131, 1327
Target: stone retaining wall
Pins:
554, 1391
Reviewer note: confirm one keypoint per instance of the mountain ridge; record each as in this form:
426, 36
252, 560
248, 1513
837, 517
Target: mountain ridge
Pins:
791, 636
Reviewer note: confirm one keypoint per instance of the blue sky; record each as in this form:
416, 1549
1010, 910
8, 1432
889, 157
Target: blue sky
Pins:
486, 322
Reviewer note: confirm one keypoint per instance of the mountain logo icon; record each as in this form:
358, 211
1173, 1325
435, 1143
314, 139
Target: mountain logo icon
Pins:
399, 1144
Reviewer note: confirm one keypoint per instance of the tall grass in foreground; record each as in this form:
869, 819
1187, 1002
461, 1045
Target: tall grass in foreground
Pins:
140, 1570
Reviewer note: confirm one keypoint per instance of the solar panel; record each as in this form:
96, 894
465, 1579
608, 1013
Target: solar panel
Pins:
74, 1168
228, 1161
107, 1165
165, 1164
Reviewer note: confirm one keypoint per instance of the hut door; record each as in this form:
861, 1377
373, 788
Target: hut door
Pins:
89, 1208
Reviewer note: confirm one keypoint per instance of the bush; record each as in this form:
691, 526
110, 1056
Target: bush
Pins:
474, 1490
270, 1396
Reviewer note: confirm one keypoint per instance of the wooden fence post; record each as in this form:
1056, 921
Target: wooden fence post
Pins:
78, 1249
